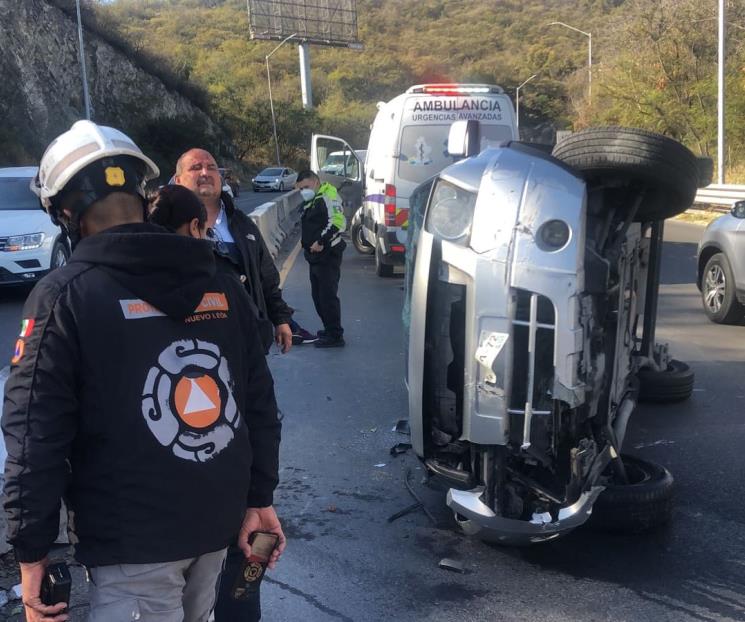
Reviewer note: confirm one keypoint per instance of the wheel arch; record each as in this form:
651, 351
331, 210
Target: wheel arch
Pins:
706, 253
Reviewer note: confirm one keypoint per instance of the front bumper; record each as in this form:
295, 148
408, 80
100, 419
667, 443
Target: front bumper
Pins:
20, 278
476, 518
265, 185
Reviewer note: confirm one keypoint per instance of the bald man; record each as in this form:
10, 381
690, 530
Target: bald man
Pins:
239, 238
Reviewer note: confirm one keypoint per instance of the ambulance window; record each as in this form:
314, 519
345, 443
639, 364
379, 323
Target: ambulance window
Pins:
423, 152
494, 135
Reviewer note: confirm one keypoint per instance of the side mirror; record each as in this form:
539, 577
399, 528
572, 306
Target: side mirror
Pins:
738, 209
463, 139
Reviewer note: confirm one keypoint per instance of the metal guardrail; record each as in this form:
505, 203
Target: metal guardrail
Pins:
725, 195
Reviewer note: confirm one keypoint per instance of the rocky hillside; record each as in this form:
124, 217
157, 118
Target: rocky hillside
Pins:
41, 91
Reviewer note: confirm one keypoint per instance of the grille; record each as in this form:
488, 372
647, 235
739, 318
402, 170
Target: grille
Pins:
534, 327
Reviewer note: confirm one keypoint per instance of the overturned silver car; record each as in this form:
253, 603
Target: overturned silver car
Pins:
532, 293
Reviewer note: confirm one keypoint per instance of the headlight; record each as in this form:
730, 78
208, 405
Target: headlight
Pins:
553, 235
450, 212
24, 242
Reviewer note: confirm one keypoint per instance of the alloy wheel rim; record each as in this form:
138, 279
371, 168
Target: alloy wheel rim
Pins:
59, 258
715, 288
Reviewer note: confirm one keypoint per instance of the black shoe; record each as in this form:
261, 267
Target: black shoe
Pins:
329, 342
301, 336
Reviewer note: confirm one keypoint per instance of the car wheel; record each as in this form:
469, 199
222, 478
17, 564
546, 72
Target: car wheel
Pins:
60, 255
673, 384
618, 158
359, 241
718, 292
382, 269
642, 504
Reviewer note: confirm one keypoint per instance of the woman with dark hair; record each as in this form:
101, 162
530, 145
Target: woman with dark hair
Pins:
179, 210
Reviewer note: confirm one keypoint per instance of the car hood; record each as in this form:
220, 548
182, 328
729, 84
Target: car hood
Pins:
22, 221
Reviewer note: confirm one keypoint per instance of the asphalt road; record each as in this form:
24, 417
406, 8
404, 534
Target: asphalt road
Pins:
340, 483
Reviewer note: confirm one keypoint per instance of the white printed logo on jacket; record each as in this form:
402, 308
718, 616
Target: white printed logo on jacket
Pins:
187, 400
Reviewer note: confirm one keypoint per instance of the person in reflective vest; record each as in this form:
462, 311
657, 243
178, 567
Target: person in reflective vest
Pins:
322, 224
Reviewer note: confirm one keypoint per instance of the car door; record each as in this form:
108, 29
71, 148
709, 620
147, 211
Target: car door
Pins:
351, 176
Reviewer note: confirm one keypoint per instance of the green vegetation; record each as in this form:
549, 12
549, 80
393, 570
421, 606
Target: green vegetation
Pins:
654, 65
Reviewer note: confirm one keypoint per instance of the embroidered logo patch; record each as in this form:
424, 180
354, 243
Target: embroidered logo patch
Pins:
26, 327
114, 176
18, 352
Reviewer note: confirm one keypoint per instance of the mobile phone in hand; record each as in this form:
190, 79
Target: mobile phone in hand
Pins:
247, 582
56, 585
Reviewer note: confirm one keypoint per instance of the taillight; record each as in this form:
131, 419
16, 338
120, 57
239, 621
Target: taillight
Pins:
389, 204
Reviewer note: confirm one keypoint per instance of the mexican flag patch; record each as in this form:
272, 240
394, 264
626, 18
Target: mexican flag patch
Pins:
26, 327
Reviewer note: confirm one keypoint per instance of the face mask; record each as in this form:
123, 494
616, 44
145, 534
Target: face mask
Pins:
307, 194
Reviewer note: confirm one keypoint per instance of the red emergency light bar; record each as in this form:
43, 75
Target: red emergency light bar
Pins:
455, 89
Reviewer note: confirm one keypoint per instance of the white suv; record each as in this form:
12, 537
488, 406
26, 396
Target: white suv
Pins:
30, 245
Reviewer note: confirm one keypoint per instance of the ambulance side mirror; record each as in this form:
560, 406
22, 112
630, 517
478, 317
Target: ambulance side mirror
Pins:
463, 139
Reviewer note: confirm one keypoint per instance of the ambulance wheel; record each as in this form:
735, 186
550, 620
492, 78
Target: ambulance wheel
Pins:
381, 268
626, 161
359, 241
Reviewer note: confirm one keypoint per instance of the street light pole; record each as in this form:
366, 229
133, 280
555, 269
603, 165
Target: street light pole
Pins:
517, 100
86, 97
589, 54
271, 101
720, 95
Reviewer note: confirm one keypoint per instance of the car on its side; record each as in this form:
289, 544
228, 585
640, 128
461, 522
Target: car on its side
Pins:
721, 267
278, 178
30, 245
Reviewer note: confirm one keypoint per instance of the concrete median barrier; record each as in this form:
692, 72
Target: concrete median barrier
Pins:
277, 219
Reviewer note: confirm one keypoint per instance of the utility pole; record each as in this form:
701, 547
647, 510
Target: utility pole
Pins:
271, 101
589, 55
86, 97
720, 93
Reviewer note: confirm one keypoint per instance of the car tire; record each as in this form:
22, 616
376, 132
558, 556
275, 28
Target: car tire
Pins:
633, 158
718, 292
643, 504
358, 239
60, 255
674, 384
382, 269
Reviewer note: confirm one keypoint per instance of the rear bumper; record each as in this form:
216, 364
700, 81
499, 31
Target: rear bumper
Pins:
392, 248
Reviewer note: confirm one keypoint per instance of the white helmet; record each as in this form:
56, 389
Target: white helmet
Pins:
84, 143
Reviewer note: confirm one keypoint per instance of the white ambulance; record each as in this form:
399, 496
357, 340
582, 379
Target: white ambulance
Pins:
408, 145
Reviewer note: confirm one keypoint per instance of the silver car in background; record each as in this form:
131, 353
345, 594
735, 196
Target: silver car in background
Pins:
276, 178
721, 267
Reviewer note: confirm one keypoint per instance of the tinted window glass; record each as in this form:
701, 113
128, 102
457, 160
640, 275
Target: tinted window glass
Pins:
424, 153
15, 194
271, 172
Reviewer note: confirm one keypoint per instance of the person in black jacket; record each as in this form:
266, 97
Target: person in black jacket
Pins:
236, 235
139, 391
321, 226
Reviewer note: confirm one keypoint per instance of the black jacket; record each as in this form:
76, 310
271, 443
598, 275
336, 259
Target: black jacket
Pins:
139, 391
258, 265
